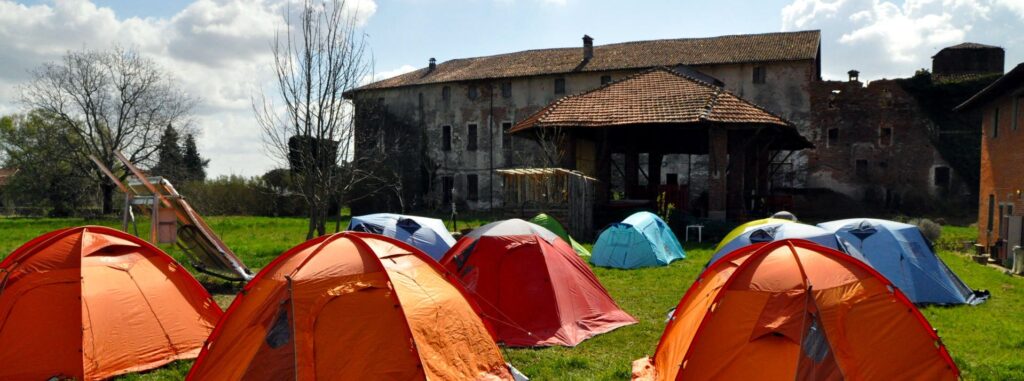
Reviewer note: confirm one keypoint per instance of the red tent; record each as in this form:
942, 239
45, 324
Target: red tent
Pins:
532, 287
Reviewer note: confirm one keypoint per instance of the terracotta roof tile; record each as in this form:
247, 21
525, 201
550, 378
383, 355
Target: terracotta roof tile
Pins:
658, 95
768, 47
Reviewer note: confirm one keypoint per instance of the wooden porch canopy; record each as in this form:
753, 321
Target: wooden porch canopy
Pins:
661, 111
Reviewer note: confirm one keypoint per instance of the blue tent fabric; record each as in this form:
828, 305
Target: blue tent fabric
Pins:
427, 234
641, 240
771, 232
903, 255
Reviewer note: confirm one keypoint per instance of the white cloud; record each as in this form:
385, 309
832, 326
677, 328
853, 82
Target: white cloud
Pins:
888, 38
219, 50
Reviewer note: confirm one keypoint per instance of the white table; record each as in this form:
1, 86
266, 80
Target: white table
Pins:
700, 232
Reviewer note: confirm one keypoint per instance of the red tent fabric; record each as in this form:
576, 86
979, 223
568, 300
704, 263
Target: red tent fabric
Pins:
532, 287
91, 303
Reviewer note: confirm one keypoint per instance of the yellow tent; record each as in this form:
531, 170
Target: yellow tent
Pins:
745, 227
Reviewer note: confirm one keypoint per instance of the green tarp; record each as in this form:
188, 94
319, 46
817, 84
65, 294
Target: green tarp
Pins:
553, 225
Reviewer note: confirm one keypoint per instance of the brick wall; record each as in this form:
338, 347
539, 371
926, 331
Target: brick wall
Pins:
1002, 163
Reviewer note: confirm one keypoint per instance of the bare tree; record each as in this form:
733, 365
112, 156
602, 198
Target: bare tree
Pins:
319, 56
113, 100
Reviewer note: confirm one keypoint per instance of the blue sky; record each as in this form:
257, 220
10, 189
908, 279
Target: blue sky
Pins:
219, 49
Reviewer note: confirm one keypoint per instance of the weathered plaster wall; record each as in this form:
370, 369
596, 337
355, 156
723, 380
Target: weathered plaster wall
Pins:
785, 91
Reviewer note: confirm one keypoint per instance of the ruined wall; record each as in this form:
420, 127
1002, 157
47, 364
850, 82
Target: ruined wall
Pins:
1002, 175
873, 144
484, 104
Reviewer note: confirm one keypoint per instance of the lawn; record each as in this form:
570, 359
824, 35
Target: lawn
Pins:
986, 341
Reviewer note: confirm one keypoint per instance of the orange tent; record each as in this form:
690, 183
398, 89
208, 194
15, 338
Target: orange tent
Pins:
532, 286
92, 302
790, 310
351, 306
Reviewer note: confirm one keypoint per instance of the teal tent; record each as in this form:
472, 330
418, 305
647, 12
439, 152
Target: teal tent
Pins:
554, 226
641, 240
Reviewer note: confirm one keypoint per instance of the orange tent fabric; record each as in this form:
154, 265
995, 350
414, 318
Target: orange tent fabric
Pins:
92, 302
351, 306
794, 310
532, 286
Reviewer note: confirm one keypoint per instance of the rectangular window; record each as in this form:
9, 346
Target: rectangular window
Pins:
446, 138
506, 89
559, 85
446, 93
672, 178
506, 138
885, 136
760, 74
606, 79
447, 183
472, 187
862, 168
833, 136
473, 92
941, 177
471, 137
995, 123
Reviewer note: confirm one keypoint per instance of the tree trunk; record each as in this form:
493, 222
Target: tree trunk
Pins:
107, 189
312, 220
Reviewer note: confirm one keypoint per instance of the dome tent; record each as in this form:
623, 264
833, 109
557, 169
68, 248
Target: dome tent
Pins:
641, 240
737, 231
554, 226
532, 287
776, 232
795, 310
351, 306
427, 234
901, 253
92, 303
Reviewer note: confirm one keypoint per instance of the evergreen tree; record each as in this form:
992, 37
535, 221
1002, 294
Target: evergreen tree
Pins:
194, 164
170, 160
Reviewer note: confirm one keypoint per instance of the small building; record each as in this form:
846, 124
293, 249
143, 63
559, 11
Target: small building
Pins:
967, 59
1001, 188
660, 112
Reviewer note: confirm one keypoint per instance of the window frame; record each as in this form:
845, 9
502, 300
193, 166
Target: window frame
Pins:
760, 75
506, 138
446, 138
472, 134
506, 89
559, 86
446, 93
472, 187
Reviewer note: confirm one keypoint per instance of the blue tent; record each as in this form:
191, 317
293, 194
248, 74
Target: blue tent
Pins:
427, 234
641, 240
903, 255
778, 231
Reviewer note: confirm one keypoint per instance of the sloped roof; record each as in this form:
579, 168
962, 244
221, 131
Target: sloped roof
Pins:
767, 47
1011, 80
971, 45
658, 96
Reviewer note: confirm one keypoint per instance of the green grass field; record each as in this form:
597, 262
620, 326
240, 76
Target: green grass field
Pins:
986, 341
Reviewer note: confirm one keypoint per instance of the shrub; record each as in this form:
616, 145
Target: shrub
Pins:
931, 230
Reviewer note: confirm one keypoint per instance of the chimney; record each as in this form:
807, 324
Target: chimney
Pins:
588, 48
432, 66
854, 75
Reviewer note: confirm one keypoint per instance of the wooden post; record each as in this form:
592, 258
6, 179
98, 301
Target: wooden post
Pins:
654, 172
631, 177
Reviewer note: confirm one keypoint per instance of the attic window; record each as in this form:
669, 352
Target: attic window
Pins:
832, 99
760, 74
885, 136
559, 85
506, 89
606, 79
446, 93
473, 92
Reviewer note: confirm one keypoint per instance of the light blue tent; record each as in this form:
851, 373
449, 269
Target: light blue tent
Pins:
778, 231
427, 234
903, 255
641, 240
